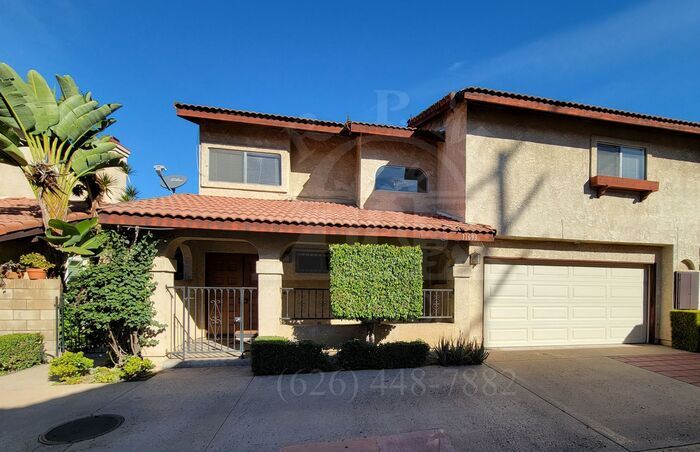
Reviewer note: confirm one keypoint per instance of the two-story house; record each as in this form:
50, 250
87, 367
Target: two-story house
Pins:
542, 222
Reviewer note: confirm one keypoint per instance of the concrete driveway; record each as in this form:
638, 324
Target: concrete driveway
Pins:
522, 400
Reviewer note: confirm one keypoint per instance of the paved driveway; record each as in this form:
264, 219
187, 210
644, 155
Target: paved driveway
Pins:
523, 400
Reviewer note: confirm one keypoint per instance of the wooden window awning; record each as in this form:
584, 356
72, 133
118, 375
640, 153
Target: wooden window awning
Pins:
604, 183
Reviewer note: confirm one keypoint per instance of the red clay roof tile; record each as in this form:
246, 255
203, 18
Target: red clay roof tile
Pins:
23, 214
290, 216
561, 107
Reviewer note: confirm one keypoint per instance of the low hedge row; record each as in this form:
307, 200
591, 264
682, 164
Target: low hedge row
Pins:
685, 330
356, 355
271, 355
20, 351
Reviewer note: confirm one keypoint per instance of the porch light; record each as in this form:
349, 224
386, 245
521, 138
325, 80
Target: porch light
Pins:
474, 258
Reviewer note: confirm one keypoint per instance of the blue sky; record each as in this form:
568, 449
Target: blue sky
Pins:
331, 62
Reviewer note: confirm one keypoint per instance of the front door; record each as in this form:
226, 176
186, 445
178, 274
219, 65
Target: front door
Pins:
234, 270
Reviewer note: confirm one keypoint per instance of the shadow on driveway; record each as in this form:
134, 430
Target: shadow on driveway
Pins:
590, 402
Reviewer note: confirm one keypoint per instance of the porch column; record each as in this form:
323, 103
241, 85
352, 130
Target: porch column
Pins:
461, 273
163, 273
269, 296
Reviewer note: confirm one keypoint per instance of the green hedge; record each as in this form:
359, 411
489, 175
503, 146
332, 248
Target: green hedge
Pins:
356, 355
685, 330
376, 282
271, 355
21, 351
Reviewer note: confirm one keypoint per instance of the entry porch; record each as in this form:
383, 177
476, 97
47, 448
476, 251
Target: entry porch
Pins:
223, 293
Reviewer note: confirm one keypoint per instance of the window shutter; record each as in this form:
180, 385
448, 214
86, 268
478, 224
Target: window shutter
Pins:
686, 289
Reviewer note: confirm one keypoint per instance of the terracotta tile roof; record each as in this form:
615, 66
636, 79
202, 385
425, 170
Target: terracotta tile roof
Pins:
22, 215
255, 114
196, 113
553, 106
301, 217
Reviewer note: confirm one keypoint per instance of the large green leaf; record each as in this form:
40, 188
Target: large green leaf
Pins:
10, 153
68, 86
42, 102
91, 119
87, 161
69, 119
13, 93
63, 226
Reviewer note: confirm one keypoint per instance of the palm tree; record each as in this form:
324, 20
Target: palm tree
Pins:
130, 193
62, 137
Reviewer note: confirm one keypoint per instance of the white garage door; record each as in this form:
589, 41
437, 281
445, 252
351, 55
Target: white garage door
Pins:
531, 305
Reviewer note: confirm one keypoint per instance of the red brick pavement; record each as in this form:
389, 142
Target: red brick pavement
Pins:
680, 366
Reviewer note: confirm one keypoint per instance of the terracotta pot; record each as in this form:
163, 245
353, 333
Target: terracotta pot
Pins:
36, 273
13, 275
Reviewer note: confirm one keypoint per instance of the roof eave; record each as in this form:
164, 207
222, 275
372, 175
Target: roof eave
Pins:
577, 112
267, 227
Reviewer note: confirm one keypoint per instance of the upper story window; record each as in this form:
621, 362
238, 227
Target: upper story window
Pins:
245, 167
621, 161
401, 178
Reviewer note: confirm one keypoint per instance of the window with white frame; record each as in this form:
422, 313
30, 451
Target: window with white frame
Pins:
245, 167
621, 161
401, 178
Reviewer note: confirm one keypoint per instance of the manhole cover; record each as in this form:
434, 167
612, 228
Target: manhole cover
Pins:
82, 429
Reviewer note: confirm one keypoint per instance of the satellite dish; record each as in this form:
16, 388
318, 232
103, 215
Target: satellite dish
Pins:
170, 183
173, 182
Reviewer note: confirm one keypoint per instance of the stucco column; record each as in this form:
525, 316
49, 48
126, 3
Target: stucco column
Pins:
269, 296
163, 274
461, 274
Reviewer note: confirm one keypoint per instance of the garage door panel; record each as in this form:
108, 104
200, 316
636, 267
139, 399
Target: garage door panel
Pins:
550, 271
507, 290
550, 313
550, 334
550, 291
589, 272
626, 312
583, 291
589, 313
508, 313
560, 305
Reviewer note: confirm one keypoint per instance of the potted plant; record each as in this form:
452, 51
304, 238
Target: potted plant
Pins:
36, 265
11, 270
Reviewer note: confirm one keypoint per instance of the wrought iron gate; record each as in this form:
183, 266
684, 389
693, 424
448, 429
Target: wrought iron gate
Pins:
212, 321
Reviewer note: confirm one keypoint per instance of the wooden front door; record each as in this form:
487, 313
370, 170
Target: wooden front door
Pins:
234, 270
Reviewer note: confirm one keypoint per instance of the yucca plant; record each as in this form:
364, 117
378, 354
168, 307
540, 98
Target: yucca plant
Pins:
61, 135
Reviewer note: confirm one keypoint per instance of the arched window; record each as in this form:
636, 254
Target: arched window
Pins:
179, 265
401, 178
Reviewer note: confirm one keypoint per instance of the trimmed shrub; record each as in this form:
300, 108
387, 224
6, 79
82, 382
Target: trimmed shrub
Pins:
376, 282
136, 368
459, 352
272, 355
356, 355
20, 351
70, 367
685, 330
397, 355
106, 375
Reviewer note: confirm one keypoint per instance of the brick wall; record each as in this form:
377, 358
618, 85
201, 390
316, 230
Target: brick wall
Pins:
29, 306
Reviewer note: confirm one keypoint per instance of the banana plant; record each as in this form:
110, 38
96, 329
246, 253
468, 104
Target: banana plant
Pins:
79, 238
56, 142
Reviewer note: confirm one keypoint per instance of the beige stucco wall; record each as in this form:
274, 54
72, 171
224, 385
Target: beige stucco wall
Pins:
15, 185
376, 152
317, 166
527, 176
323, 167
29, 306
